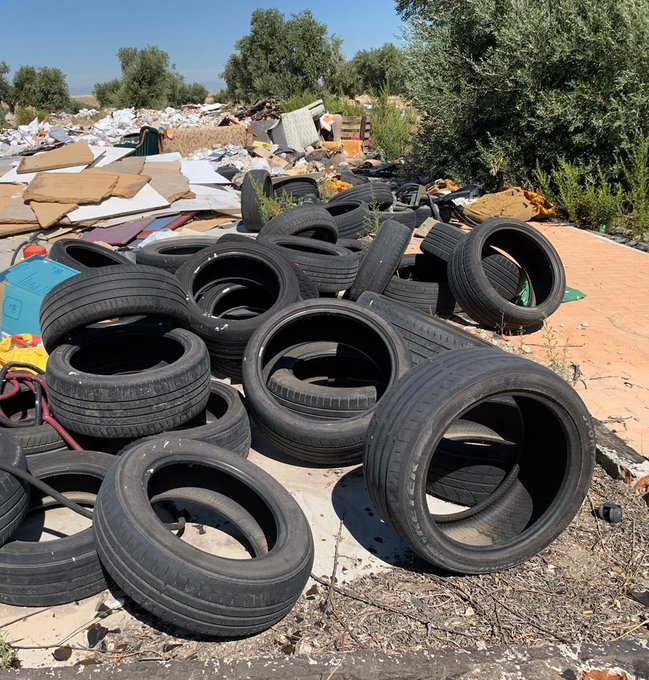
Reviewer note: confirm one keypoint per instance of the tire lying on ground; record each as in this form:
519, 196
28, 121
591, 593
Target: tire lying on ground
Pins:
110, 292
37, 573
331, 267
534, 503
351, 217
170, 253
295, 188
249, 264
381, 260
506, 277
256, 184
420, 282
85, 255
315, 380
131, 381
304, 219
536, 256
325, 442
356, 245
376, 194
224, 422
470, 463
14, 493
204, 593
19, 421
425, 336
404, 215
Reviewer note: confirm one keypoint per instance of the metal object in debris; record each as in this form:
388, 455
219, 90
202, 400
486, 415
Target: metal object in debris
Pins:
610, 512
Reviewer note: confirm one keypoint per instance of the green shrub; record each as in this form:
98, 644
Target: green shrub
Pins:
26, 114
392, 128
569, 180
603, 206
43, 88
539, 79
636, 175
106, 93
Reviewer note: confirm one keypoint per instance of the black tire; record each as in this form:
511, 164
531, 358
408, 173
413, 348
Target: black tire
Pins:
85, 255
351, 217
538, 259
422, 213
505, 276
31, 438
254, 181
47, 573
381, 260
170, 253
296, 189
404, 216
304, 219
331, 267
234, 238
224, 422
235, 263
421, 283
308, 380
203, 594
107, 293
126, 382
545, 489
334, 442
470, 463
228, 509
425, 336
375, 194
14, 493
356, 245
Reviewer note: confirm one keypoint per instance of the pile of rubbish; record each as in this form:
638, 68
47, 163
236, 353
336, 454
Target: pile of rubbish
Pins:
477, 458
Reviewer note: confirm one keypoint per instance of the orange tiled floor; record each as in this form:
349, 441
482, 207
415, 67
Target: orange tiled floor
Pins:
607, 333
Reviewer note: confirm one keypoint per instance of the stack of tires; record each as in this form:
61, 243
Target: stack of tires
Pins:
478, 459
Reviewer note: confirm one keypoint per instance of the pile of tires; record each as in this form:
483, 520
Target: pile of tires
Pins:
477, 458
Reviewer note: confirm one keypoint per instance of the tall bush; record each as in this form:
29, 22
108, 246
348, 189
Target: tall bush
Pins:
526, 81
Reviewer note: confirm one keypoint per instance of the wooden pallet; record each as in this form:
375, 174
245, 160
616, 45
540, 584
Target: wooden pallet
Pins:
356, 126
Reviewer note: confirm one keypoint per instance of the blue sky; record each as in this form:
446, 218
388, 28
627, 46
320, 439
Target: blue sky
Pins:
82, 38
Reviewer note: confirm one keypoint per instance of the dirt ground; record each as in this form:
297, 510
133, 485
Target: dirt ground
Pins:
592, 585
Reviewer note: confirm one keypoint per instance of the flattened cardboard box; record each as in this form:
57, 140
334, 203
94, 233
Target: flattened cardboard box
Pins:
22, 289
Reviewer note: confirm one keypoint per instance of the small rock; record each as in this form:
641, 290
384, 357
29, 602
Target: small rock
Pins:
304, 647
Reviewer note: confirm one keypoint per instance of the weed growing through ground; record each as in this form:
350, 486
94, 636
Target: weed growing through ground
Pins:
372, 220
274, 205
6, 654
555, 356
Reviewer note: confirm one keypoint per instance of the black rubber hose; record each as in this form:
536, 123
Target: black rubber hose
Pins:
64, 500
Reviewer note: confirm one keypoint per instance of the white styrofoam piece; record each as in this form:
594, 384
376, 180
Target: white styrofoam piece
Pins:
164, 158
110, 155
146, 199
201, 172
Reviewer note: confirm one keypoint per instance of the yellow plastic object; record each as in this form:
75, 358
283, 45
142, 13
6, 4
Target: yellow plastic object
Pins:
443, 185
335, 186
11, 350
350, 147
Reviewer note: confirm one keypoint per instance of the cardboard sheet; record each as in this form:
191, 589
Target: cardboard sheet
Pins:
82, 189
13, 229
66, 156
49, 214
146, 199
17, 211
7, 191
27, 177
206, 225
127, 185
132, 164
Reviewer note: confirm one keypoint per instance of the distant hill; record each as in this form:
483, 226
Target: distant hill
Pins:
87, 100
